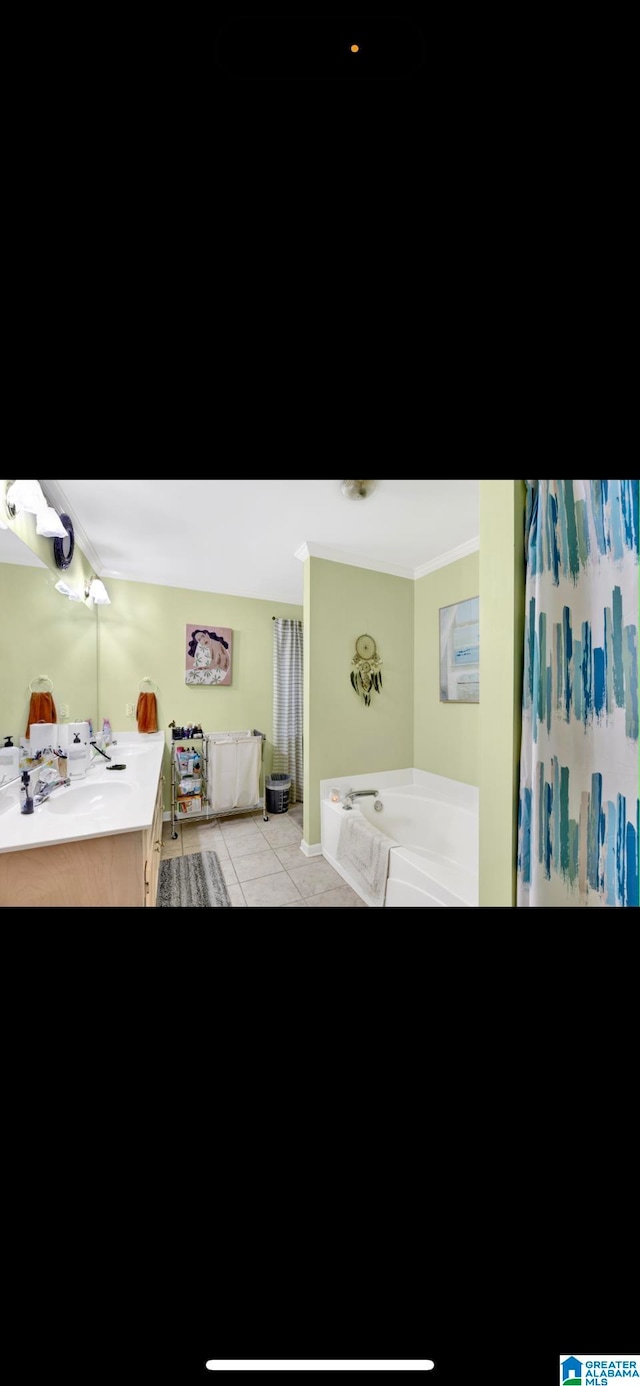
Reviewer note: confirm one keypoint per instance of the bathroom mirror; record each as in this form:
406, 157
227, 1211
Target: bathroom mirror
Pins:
42, 632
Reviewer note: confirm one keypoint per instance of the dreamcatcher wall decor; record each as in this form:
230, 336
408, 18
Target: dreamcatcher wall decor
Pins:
366, 676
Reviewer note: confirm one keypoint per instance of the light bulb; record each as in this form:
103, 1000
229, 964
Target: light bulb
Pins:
49, 524
25, 495
67, 591
98, 593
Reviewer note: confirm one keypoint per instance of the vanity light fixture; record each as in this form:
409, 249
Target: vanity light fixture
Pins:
67, 591
25, 495
97, 591
49, 524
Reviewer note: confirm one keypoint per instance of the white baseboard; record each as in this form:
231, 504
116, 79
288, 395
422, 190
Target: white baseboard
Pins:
315, 850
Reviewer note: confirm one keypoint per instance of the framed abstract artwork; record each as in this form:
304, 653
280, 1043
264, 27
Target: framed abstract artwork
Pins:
460, 652
208, 655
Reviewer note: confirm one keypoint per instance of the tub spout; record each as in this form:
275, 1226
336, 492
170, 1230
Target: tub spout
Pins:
347, 802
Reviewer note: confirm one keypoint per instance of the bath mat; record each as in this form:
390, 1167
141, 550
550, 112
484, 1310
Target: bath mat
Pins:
193, 881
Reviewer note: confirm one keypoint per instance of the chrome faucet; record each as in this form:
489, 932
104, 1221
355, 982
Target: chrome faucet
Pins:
347, 802
44, 790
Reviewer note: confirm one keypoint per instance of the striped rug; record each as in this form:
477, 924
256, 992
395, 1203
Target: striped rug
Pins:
195, 881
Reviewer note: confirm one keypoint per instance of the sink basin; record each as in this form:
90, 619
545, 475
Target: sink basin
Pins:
9, 800
97, 800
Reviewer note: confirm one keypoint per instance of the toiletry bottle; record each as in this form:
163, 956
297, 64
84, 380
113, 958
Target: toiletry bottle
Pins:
9, 760
27, 801
106, 732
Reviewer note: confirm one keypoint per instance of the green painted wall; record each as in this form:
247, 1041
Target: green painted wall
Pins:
501, 645
42, 632
446, 735
142, 633
342, 736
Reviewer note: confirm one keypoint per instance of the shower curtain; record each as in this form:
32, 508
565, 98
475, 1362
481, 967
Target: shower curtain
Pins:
578, 805
287, 703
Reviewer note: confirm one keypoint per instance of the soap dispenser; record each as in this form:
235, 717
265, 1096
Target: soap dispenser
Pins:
26, 797
9, 760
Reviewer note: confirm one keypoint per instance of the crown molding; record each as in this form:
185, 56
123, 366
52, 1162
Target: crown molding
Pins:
452, 556
311, 550
56, 497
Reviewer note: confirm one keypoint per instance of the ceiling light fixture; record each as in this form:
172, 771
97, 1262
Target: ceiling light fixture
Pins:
357, 490
98, 592
25, 495
49, 524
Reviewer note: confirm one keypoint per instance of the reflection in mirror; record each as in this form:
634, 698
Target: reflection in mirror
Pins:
42, 632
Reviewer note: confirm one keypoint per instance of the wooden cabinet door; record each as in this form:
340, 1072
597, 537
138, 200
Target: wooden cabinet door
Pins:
154, 849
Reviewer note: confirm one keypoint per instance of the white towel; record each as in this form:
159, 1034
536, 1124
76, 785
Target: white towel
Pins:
364, 852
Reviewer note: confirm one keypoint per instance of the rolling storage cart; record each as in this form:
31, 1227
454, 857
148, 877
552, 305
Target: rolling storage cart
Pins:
188, 780
193, 779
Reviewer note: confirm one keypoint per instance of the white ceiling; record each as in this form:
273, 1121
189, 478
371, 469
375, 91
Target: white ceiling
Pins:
241, 537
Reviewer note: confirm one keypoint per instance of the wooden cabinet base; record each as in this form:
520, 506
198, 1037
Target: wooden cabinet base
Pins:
118, 870
96, 871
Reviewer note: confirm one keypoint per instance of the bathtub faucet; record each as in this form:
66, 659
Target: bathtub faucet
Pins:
347, 802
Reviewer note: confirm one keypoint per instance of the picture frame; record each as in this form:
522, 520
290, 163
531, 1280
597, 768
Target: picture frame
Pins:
208, 650
459, 666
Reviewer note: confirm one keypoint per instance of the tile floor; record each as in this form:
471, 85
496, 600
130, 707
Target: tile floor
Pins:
262, 863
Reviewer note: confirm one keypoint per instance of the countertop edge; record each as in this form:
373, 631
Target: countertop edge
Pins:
72, 835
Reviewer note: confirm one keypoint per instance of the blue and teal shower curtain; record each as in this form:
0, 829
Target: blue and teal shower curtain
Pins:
578, 807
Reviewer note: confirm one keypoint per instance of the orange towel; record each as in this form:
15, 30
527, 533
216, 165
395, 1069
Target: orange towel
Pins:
147, 713
41, 709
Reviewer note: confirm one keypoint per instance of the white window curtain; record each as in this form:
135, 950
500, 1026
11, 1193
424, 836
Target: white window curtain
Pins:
287, 703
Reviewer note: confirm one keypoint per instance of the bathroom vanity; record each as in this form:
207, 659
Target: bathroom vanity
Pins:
96, 842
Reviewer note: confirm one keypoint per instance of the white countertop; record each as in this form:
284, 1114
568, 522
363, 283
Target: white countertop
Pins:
45, 827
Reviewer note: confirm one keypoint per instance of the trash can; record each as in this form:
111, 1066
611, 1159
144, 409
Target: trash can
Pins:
277, 793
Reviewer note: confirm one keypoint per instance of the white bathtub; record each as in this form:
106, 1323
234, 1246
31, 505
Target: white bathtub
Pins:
432, 825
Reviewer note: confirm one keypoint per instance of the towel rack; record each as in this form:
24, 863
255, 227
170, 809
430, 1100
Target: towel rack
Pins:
38, 678
148, 680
